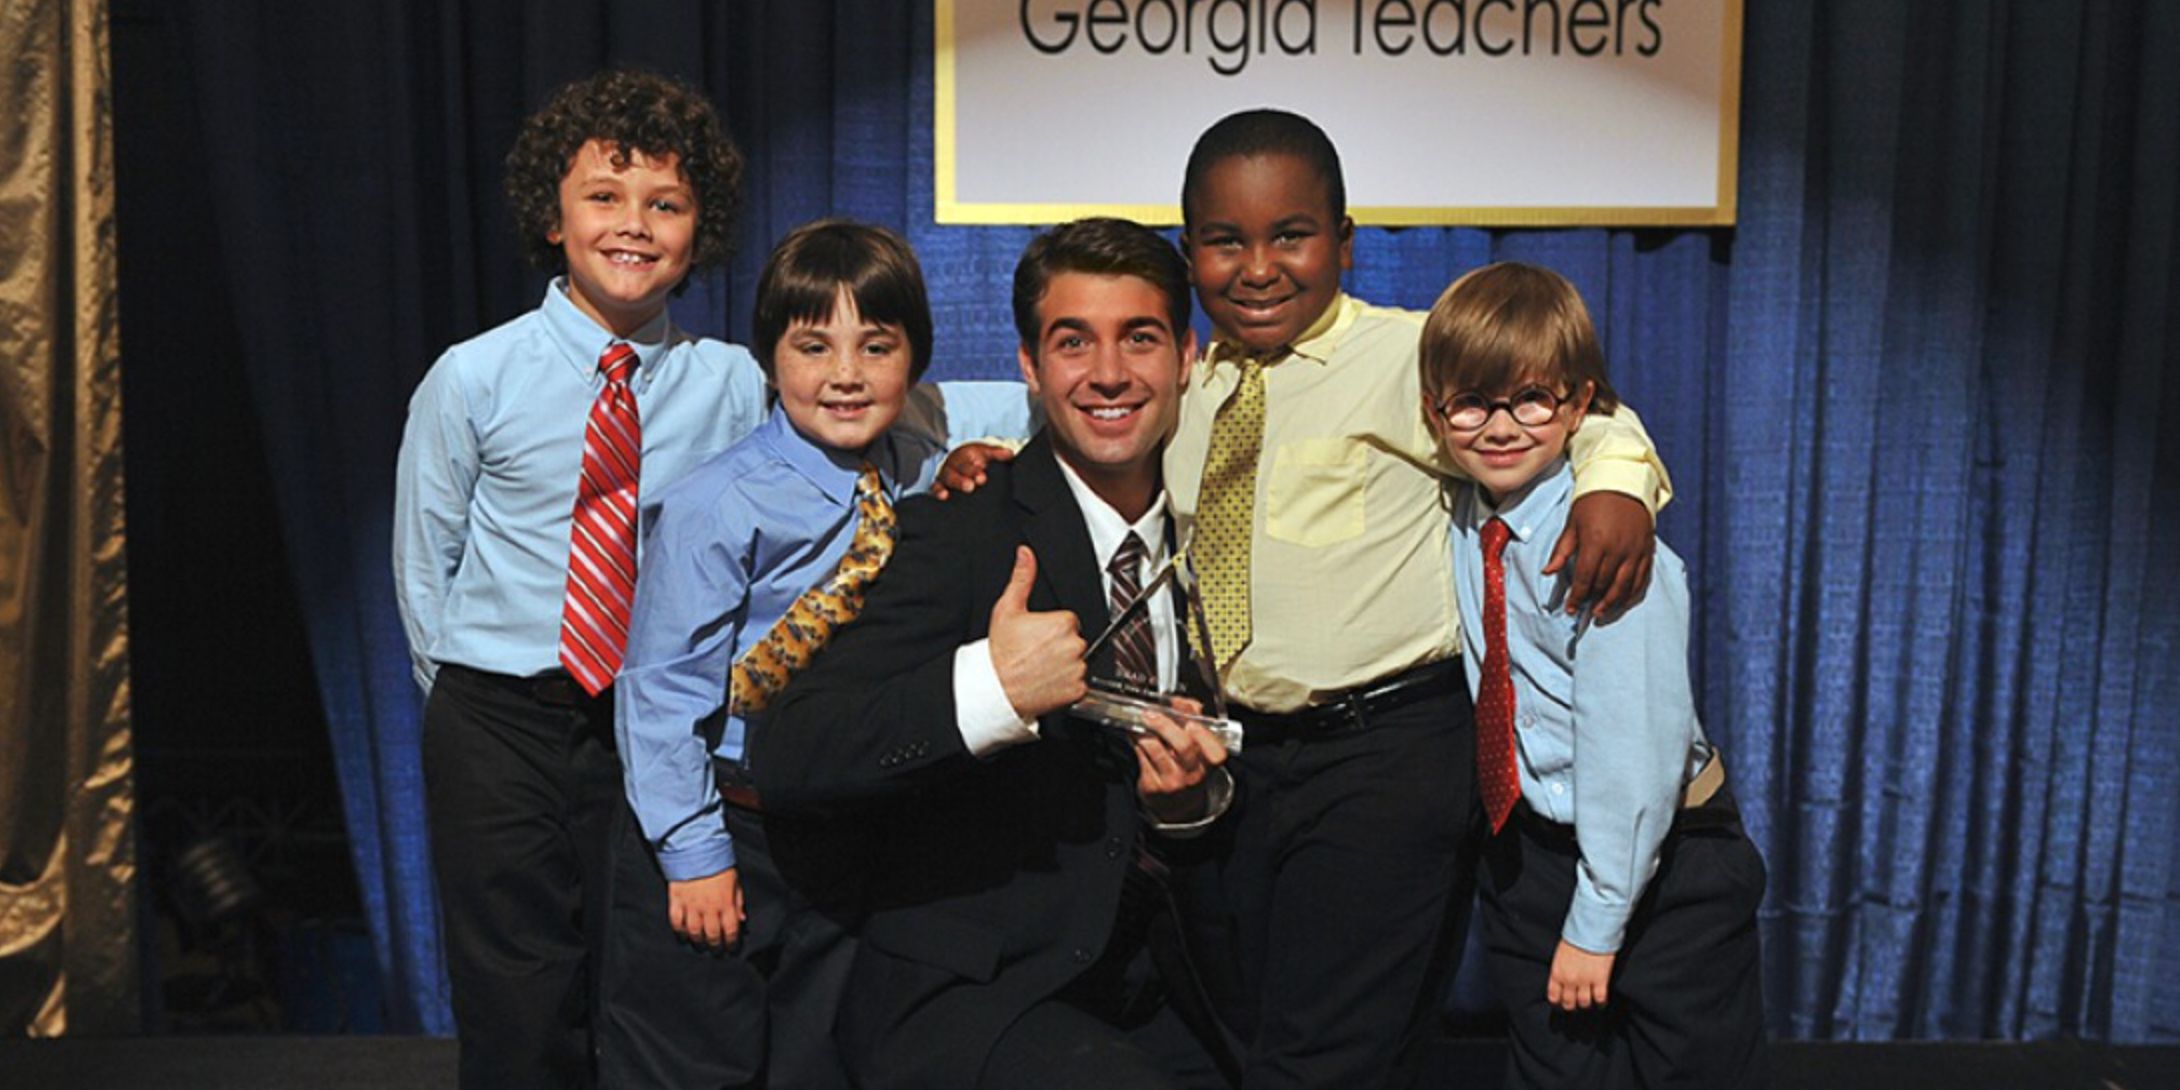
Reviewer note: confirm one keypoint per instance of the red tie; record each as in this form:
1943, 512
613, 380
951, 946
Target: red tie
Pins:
602, 553
1497, 778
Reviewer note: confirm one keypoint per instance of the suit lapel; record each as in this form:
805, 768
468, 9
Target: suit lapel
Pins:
1052, 524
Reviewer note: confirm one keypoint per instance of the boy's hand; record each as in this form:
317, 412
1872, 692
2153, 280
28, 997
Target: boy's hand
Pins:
964, 468
1038, 656
707, 912
1612, 541
1172, 762
1579, 978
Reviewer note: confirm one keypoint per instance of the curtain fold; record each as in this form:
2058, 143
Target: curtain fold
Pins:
68, 951
1918, 404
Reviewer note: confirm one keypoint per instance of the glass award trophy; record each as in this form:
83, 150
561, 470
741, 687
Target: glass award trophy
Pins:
1123, 702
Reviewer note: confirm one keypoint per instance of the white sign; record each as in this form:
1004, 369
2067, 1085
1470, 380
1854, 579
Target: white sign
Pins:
1486, 112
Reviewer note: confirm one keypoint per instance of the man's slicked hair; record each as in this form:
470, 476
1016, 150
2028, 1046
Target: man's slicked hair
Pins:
1252, 133
1100, 246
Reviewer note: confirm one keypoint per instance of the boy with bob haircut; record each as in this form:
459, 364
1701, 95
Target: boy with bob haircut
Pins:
843, 328
1619, 890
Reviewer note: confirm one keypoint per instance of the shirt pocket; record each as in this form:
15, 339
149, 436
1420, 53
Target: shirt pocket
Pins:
1315, 496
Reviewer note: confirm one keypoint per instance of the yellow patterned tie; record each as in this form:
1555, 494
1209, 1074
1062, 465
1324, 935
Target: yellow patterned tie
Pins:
800, 633
1226, 512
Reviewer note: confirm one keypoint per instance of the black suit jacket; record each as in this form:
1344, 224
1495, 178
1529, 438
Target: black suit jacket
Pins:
997, 881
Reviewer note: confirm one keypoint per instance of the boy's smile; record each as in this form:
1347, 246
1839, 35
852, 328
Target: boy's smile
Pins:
842, 379
626, 232
1264, 249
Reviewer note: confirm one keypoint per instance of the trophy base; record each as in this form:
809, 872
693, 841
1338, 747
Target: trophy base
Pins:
1127, 713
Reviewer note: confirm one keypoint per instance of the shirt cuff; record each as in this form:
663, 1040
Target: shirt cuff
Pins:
1594, 926
1219, 789
702, 860
986, 718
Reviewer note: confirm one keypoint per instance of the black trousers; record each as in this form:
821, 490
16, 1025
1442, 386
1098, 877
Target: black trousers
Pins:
522, 786
1343, 878
682, 1017
1686, 1001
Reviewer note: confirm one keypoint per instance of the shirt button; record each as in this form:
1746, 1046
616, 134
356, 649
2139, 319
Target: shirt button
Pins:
1559, 789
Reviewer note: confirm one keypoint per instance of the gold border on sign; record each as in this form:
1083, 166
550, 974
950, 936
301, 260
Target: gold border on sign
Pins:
946, 209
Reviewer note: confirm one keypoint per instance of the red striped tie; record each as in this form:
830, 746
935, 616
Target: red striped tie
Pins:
602, 553
1497, 776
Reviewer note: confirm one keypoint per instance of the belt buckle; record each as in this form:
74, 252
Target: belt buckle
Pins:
1349, 713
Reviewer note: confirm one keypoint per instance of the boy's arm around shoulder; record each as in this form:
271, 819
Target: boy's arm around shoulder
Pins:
874, 714
1609, 538
435, 475
1613, 453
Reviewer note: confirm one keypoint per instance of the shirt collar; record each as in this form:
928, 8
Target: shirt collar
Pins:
1315, 344
582, 340
1525, 510
834, 472
1107, 528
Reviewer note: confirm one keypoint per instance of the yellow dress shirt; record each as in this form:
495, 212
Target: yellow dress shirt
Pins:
1351, 574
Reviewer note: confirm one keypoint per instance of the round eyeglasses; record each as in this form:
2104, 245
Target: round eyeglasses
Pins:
1531, 406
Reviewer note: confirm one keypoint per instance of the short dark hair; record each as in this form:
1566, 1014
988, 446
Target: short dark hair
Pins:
632, 112
803, 278
1101, 246
1507, 322
1252, 133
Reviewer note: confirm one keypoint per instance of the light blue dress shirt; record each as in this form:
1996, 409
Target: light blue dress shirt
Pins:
727, 549
1605, 721
484, 492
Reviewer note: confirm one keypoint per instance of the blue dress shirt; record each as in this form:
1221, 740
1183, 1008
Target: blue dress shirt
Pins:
727, 550
1605, 721
485, 488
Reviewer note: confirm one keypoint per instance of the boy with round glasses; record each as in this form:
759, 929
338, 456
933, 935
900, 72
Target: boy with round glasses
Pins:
1619, 891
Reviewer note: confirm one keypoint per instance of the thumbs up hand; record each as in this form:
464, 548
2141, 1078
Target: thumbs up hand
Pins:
1038, 656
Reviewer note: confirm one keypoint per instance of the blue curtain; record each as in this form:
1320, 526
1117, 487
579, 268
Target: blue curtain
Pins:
1918, 405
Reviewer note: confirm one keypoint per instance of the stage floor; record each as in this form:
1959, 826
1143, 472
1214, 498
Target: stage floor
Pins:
407, 1063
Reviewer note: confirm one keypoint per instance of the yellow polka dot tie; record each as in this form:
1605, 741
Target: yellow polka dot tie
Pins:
765, 669
1226, 512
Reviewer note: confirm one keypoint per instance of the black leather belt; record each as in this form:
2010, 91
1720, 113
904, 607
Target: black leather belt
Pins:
552, 687
1352, 710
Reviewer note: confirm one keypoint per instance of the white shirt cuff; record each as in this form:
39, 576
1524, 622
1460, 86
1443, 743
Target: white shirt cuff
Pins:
986, 717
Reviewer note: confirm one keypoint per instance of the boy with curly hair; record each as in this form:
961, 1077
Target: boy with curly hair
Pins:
514, 553
527, 450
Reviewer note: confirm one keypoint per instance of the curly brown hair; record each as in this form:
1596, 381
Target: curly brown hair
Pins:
633, 112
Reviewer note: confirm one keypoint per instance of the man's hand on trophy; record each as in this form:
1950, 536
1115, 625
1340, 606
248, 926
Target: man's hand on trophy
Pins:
1173, 761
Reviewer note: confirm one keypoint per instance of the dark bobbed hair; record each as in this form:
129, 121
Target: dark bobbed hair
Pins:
1504, 324
803, 278
632, 112
1252, 133
1101, 246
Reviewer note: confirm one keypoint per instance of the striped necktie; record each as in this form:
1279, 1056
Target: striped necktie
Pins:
602, 545
1135, 657
801, 632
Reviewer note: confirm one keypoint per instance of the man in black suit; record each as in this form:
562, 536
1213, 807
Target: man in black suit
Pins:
998, 944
